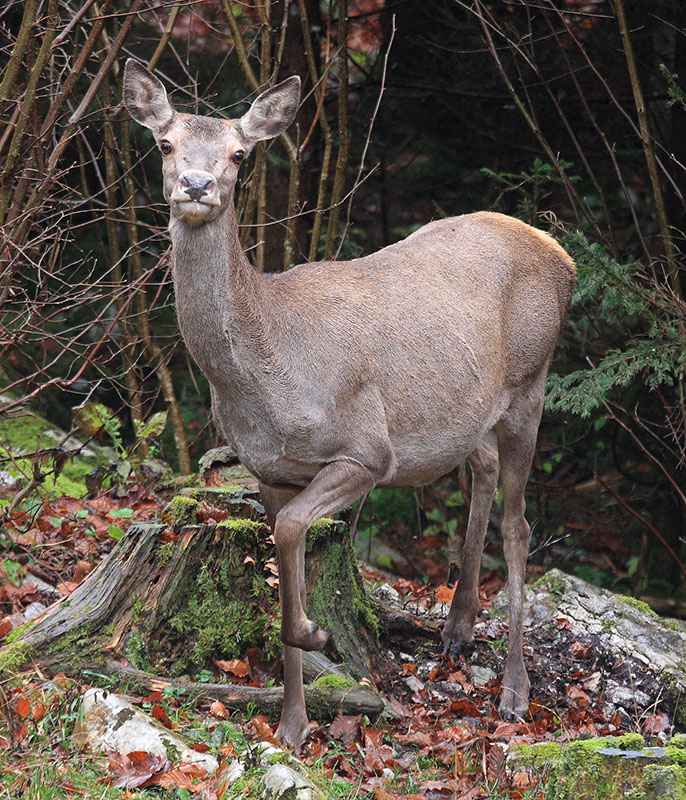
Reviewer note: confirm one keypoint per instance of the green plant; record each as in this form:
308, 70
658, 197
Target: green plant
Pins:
133, 461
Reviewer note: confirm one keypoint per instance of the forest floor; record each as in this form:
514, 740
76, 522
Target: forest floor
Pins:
440, 736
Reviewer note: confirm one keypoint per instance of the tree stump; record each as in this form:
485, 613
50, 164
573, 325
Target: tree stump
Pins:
169, 600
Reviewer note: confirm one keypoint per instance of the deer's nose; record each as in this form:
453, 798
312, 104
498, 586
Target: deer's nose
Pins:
196, 184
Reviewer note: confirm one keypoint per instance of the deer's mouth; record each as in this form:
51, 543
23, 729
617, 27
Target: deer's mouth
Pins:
195, 212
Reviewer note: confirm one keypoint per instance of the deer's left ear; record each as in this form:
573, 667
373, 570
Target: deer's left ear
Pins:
146, 98
272, 112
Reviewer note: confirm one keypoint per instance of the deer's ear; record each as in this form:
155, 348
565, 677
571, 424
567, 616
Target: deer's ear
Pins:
272, 112
145, 97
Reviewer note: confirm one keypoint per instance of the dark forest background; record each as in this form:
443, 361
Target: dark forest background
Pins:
569, 114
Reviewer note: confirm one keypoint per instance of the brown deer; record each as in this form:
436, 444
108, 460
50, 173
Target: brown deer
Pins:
388, 370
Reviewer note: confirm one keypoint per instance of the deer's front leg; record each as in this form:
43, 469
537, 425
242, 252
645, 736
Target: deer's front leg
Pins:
336, 486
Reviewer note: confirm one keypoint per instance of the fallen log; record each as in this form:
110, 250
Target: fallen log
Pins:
325, 697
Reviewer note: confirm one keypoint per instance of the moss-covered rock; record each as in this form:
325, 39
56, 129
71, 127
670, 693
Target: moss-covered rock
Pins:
607, 768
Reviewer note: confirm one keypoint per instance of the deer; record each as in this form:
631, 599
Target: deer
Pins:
388, 370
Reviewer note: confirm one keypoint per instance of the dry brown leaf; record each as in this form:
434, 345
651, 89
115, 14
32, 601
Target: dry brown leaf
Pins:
235, 667
219, 710
344, 728
81, 569
5, 626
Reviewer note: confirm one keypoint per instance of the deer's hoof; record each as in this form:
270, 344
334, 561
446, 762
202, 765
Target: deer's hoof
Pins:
293, 733
513, 707
455, 648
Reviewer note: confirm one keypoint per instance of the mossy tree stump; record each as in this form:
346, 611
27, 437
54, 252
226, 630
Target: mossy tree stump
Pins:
169, 604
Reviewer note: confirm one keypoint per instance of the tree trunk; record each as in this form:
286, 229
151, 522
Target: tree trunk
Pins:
169, 600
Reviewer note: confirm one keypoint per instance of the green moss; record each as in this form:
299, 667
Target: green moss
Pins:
641, 605
12, 658
280, 758
322, 528
337, 599
676, 755
223, 611
627, 741
673, 624
553, 582
331, 682
173, 752
137, 609
165, 553
182, 510
665, 782
678, 740
535, 756
67, 652
136, 651
239, 525
19, 632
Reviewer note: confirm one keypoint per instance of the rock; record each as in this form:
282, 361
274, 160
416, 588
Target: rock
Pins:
413, 683
8, 480
281, 781
653, 647
480, 676
629, 697
109, 722
34, 610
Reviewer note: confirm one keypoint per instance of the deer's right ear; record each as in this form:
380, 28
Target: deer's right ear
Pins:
145, 97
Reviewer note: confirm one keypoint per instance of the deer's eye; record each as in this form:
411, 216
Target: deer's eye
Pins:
165, 147
238, 156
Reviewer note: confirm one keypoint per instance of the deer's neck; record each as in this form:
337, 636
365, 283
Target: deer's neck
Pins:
219, 298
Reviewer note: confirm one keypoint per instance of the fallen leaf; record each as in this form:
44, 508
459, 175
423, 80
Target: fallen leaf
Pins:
579, 650
444, 594
523, 780
81, 569
136, 769
66, 587
235, 667
344, 728
181, 776
219, 710
161, 716
5, 626
23, 707
263, 729
656, 724
578, 695
505, 730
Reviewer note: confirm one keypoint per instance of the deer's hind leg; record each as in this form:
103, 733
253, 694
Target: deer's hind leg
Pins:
457, 631
517, 434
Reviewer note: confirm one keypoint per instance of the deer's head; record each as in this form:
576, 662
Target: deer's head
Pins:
201, 155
